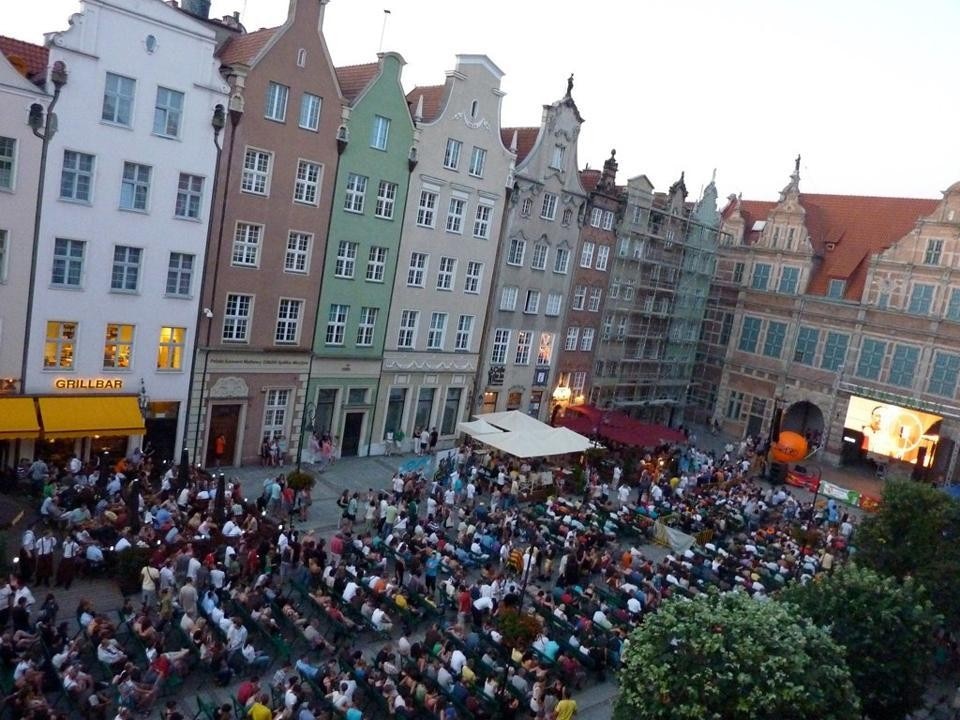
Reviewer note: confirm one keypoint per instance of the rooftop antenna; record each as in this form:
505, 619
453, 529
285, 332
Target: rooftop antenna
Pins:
383, 29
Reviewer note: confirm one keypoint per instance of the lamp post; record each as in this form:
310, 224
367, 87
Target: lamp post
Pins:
309, 418
44, 126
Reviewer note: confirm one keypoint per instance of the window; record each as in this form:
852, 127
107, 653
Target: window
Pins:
871, 359
76, 179
117, 347
522, 356
953, 305
595, 295
380, 133
761, 276
508, 298
554, 303
545, 353
277, 102
424, 411
903, 365
118, 100
608, 218
567, 216
943, 377
586, 255
749, 334
539, 259
835, 288
306, 189
448, 267
834, 351
256, 172
735, 405
437, 331
376, 263
579, 382
58, 350
4, 251
67, 262
310, 111
573, 338
586, 340
738, 269
531, 306
8, 157
297, 257
135, 188
346, 260
807, 338
579, 295
603, 257
501, 340
427, 209
408, 329
386, 199
167, 113
518, 247
451, 156
179, 274
451, 411
288, 321
481, 223
189, 196
356, 190
455, 215
789, 279
336, 324
596, 217
275, 413
471, 283
246, 244
932, 254
525, 207
302, 57
125, 275
773, 343
561, 261
556, 159
548, 211
395, 405
170, 348
921, 297
417, 269
478, 158
236, 317
367, 326
464, 333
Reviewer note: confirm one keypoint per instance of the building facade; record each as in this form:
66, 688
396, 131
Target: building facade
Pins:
265, 260
447, 255
534, 266
379, 151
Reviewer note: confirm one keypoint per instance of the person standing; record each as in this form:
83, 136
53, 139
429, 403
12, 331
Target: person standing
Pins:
219, 448
424, 440
566, 708
45, 548
67, 567
149, 576
434, 436
28, 555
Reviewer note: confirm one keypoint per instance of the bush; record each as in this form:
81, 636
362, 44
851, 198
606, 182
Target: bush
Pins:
519, 629
301, 480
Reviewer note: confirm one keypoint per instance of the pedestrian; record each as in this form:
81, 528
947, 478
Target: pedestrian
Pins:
219, 448
67, 568
45, 548
434, 436
28, 555
424, 440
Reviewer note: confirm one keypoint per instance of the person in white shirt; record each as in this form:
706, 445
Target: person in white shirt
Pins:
350, 591
381, 621
109, 652
231, 529
236, 635
457, 661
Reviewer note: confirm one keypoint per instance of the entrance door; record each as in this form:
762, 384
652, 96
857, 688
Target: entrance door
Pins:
223, 419
350, 444
161, 436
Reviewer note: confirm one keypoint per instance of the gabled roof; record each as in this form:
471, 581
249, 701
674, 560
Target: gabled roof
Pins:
244, 49
32, 58
526, 139
432, 101
590, 178
354, 79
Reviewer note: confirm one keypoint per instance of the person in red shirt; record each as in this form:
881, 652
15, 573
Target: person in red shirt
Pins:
464, 606
248, 689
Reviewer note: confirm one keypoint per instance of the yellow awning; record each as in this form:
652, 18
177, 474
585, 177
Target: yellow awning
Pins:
18, 418
71, 417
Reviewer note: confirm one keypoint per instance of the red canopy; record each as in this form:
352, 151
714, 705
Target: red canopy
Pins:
617, 426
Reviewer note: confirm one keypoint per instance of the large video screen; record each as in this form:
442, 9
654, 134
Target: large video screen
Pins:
893, 431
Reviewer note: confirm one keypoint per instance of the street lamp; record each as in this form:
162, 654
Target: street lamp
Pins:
309, 418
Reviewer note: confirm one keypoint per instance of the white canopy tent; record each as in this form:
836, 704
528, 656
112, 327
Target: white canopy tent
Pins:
523, 436
478, 428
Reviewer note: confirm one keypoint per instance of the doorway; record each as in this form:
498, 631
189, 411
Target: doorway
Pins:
223, 419
352, 426
161, 436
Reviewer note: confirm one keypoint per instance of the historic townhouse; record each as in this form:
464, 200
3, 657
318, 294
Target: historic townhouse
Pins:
582, 328
447, 254
266, 254
535, 265
378, 152
847, 321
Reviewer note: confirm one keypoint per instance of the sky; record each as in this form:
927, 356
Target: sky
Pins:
863, 90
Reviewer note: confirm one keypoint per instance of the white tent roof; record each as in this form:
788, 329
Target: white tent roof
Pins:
514, 420
526, 437
477, 428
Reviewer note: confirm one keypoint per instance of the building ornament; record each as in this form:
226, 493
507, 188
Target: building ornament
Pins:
479, 124
428, 365
229, 387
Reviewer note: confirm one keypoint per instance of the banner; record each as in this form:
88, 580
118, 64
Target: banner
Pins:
807, 482
676, 540
850, 497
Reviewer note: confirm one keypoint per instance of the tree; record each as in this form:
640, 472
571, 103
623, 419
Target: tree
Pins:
729, 657
916, 533
886, 628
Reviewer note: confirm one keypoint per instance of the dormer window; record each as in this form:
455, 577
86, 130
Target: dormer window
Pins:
835, 288
474, 109
556, 160
302, 57
933, 252
775, 238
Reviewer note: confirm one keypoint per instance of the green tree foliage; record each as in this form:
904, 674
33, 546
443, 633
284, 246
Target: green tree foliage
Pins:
916, 533
885, 626
729, 657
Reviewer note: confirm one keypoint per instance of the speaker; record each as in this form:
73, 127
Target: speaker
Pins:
775, 423
919, 471
778, 473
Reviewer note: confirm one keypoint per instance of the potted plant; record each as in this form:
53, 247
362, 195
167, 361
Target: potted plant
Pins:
301, 480
519, 629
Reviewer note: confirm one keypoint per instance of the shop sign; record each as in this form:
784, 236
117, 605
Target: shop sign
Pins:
540, 376
495, 375
88, 383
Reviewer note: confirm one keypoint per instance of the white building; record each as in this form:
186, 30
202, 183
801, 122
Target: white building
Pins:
124, 226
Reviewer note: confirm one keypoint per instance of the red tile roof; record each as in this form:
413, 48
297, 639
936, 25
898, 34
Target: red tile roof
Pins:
432, 101
244, 48
32, 59
526, 138
354, 79
590, 178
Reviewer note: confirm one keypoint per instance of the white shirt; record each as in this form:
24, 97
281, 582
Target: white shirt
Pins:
457, 661
350, 591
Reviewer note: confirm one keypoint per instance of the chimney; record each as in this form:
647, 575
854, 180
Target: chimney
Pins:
197, 8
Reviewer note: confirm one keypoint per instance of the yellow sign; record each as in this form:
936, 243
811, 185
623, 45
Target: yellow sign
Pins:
88, 384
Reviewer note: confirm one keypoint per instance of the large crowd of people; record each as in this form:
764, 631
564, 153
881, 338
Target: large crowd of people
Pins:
402, 610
